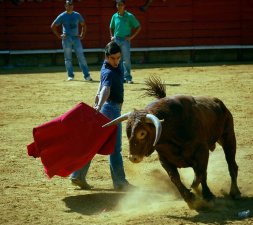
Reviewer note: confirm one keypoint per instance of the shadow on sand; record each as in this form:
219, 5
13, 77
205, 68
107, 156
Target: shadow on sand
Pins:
223, 210
94, 203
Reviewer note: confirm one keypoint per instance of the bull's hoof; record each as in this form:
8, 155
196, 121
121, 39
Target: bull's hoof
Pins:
235, 193
235, 196
191, 198
209, 196
200, 204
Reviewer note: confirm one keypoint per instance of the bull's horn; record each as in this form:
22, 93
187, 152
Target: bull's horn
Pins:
117, 120
158, 127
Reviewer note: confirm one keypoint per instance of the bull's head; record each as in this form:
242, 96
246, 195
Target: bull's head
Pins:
143, 132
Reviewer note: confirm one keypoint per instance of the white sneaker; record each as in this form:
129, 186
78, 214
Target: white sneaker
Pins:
70, 78
88, 78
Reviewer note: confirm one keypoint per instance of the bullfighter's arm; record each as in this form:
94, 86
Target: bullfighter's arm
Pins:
103, 96
97, 95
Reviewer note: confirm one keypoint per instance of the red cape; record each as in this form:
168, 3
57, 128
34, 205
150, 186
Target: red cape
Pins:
68, 142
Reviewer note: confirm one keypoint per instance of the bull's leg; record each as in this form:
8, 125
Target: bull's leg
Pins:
201, 177
228, 143
196, 183
200, 168
172, 171
206, 193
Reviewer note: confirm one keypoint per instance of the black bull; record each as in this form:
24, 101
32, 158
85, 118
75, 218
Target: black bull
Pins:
182, 129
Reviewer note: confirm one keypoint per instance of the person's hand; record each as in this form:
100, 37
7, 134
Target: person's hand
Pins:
112, 38
97, 108
128, 38
81, 36
63, 36
96, 99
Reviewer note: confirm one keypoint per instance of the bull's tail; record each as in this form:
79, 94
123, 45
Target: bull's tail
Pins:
155, 87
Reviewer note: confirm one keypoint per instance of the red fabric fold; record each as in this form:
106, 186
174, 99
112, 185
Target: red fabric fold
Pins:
71, 140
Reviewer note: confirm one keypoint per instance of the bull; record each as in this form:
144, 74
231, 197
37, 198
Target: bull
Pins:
182, 129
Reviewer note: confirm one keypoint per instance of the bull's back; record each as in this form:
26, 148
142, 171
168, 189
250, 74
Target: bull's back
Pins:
213, 118
188, 118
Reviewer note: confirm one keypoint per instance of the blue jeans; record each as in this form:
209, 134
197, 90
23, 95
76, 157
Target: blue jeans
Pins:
126, 58
112, 111
74, 42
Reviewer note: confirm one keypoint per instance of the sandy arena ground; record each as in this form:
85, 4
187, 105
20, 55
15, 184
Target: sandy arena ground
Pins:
33, 96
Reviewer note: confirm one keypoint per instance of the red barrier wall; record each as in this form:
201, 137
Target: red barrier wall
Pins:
170, 23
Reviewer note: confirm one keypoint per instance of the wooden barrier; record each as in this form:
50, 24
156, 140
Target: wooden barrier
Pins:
170, 23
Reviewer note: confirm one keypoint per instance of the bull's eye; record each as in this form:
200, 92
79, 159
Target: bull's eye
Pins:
141, 134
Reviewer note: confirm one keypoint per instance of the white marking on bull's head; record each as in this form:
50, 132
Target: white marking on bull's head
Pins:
141, 134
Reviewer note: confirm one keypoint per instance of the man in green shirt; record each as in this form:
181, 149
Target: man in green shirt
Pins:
121, 26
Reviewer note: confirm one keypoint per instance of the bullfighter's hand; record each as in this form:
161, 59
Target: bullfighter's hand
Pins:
97, 108
96, 99
63, 36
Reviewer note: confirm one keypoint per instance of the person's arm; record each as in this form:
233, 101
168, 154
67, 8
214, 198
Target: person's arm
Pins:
103, 96
147, 4
54, 28
83, 30
135, 33
97, 95
111, 33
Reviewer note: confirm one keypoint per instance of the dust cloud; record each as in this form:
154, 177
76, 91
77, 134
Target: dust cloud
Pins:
155, 195
156, 192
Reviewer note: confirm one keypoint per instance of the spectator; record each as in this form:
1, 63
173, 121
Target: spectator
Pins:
109, 101
121, 25
146, 5
71, 38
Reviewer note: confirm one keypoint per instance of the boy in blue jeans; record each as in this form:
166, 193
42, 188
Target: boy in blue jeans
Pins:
108, 101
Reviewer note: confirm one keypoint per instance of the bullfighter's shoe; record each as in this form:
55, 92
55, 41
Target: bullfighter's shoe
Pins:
82, 184
128, 81
125, 187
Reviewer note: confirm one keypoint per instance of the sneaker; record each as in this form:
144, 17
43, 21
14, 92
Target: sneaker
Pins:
130, 82
88, 78
82, 184
125, 187
70, 78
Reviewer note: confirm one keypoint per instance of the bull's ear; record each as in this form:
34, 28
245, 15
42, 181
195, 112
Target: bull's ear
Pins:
117, 120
